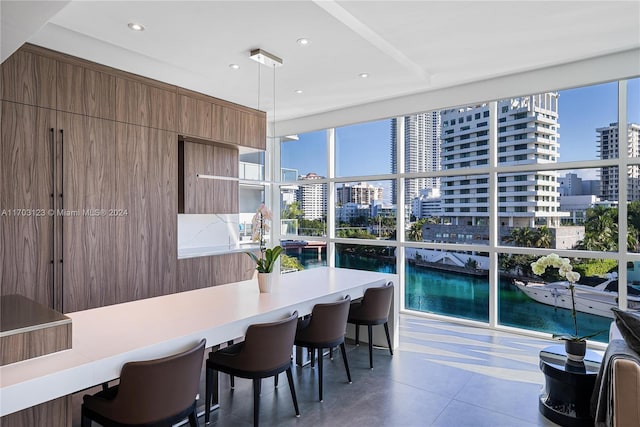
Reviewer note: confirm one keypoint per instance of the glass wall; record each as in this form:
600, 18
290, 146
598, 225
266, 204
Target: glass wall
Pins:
509, 180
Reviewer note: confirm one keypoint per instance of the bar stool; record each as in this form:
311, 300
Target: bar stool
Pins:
372, 310
325, 329
154, 393
265, 352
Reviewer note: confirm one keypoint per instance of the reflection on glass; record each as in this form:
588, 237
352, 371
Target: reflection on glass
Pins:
307, 155
370, 258
363, 213
356, 143
543, 303
447, 283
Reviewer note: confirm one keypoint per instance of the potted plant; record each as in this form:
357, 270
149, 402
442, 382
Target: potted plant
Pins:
268, 256
575, 345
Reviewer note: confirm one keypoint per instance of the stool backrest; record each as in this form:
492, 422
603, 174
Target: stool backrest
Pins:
153, 390
376, 302
328, 321
268, 345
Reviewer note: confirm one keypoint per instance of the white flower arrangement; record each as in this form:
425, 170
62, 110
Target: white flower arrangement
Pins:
562, 264
564, 270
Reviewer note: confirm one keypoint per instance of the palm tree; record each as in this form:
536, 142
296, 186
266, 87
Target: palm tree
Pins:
542, 237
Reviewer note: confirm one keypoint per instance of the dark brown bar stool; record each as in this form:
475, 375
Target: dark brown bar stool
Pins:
265, 352
154, 393
325, 329
372, 310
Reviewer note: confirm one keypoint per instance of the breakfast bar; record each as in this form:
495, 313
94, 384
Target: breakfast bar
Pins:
107, 337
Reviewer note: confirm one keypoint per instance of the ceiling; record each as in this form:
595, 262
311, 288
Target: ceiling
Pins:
406, 47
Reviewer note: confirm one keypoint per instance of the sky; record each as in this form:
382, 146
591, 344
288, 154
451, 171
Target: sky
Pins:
364, 149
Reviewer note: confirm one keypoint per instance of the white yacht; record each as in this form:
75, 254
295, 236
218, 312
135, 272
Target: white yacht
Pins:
596, 300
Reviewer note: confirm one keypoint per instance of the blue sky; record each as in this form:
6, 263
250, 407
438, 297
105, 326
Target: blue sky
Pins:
365, 149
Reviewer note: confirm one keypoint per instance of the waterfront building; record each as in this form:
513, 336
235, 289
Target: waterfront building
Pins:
609, 145
422, 152
351, 212
527, 134
312, 198
361, 193
427, 204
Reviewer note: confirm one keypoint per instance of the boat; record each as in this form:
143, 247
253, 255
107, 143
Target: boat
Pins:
596, 300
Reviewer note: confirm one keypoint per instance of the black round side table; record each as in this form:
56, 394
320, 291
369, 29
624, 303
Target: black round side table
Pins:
566, 395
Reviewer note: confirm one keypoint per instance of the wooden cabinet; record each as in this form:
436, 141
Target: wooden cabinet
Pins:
202, 195
29, 79
238, 127
146, 183
145, 105
26, 188
202, 272
87, 228
194, 117
85, 91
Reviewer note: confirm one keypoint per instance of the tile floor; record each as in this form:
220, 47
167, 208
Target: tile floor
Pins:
442, 375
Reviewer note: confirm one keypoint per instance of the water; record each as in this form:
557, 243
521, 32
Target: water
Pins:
467, 297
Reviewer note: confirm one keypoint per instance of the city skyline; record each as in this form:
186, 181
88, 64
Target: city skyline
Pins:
581, 111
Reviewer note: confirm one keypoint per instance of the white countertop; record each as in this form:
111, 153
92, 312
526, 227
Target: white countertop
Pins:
107, 337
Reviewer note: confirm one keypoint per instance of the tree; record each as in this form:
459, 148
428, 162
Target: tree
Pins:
292, 211
415, 231
290, 263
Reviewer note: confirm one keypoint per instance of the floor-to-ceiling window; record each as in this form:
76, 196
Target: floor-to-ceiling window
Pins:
445, 194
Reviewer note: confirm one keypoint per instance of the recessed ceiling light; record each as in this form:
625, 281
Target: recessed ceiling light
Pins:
363, 75
234, 66
298, 91
303, 42
136, 27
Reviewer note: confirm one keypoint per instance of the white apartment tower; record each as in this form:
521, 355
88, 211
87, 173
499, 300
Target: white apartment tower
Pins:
527, 134
422, 152
362, 194
608, 142
312, 198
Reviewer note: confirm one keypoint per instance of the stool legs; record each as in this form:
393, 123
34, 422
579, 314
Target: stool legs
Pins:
386, 331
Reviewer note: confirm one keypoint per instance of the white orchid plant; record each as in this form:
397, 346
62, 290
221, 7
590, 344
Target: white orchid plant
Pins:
564, 270
268, 256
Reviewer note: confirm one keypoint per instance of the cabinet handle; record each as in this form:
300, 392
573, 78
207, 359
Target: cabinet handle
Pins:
53, 216
62, 218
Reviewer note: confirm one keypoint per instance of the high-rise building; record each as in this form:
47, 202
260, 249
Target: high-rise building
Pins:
527, 134
422, 152
361, 193
608, 142
427, 204
312, 198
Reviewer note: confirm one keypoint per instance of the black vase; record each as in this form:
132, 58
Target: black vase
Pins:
575, 350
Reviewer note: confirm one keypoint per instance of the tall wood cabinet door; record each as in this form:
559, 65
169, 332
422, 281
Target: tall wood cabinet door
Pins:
29, 79
26, 187
88, 225
147, 186
85, 91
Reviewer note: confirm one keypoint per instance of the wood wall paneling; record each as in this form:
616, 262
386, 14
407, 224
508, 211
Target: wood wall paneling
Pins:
26, 186
88, 226
194, 117
30, 79
54, 413
146, 181
145, 105
85, 91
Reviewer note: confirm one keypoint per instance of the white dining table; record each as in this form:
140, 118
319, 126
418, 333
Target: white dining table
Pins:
107, 337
